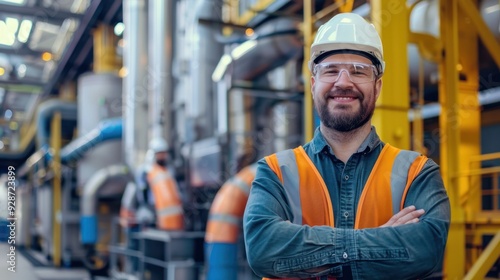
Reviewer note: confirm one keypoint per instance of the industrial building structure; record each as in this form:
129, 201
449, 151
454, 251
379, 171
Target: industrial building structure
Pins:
85, 85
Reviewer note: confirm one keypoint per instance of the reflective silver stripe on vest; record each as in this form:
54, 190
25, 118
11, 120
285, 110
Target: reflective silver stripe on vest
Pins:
399, 176
230, 219
161, 176
290, 174
170, 211
240, 184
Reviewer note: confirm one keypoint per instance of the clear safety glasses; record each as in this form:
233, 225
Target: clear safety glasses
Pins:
358, 73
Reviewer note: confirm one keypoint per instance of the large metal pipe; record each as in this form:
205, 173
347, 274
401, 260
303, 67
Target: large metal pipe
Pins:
161, 33
276, 43
45, 112
115, 178
135, 83
432, 110
106, 130
205, 51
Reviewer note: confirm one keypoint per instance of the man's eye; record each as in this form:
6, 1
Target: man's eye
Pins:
360, 73
331, 71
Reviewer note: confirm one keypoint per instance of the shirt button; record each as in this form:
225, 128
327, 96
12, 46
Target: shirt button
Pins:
346, 177
345, 255
346, 214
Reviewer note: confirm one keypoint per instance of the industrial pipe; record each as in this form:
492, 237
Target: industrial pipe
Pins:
106, 130
44, 115
225, 223
88, 219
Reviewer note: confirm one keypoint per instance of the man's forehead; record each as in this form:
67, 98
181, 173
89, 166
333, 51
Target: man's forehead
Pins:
346, 57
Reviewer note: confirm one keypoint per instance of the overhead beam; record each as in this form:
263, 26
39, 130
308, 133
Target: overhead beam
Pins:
20, 51
21, 82
40, 14
98, 10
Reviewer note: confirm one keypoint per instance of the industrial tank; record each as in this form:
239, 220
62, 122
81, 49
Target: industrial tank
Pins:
99, 98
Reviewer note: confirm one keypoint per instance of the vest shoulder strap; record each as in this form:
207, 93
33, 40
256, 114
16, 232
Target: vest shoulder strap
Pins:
304, 187
388, 183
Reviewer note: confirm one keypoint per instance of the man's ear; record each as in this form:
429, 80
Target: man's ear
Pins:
313, 83
378, 88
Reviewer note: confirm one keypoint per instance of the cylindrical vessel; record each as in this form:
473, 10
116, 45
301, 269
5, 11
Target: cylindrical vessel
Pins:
99, 98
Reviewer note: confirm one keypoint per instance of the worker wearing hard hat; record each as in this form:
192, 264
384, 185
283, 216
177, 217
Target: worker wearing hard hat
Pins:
346, 205
157, 201
167, 199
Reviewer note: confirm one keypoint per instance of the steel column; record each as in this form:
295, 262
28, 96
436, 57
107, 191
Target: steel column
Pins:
104, 49
450, 137
390, 17
308, 102
469, 125
55, 144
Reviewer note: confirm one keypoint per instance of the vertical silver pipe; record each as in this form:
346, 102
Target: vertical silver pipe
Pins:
161, 22
135, 83
206, 52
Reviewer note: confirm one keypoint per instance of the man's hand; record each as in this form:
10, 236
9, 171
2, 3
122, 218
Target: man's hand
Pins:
408, 215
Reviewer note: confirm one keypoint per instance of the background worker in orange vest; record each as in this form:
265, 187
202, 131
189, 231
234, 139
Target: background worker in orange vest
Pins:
166, 196
346, 205
157, 201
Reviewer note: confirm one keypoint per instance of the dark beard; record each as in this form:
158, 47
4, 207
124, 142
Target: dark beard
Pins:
344, 122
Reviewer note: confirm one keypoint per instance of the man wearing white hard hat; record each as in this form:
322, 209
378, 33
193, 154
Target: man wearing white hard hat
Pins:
346, 205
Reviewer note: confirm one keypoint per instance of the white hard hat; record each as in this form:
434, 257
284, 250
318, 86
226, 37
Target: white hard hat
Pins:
158, 145
348, 32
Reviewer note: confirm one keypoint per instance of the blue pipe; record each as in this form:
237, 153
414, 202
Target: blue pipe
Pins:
88, 229
46, 111
106, 130
222, 260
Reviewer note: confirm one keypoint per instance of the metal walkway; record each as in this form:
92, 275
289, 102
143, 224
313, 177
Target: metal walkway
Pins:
26, 270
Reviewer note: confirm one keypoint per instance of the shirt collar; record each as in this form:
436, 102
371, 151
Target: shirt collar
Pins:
319, 143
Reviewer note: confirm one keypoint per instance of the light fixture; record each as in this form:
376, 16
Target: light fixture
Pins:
119, 28
221, 67
46, 56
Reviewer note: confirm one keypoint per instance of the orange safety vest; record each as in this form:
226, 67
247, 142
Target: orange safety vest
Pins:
168, 205
226, 212
383, 195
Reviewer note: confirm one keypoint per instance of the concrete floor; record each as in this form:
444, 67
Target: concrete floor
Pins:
24, 270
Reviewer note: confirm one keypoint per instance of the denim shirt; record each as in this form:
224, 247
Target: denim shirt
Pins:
276, 248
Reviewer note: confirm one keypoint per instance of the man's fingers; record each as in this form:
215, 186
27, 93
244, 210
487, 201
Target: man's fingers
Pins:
412, 221
406, 216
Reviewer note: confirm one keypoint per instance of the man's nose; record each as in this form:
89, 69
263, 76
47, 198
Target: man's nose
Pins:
344, 79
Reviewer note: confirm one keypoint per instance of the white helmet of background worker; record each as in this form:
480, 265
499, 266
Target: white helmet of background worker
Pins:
158, 145
348, 33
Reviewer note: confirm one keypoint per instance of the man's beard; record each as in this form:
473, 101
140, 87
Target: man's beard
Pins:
345, 122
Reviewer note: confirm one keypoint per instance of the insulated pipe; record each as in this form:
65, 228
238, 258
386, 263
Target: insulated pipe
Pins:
45, 112
486, 97
135, 82
88, 219
160, 64
276, 43
106, 130
205, 51
225, 223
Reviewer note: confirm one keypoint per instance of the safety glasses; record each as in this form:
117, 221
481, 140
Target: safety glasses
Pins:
358, 73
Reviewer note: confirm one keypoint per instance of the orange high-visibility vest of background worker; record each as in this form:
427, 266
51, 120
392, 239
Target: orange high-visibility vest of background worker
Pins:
168, 204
